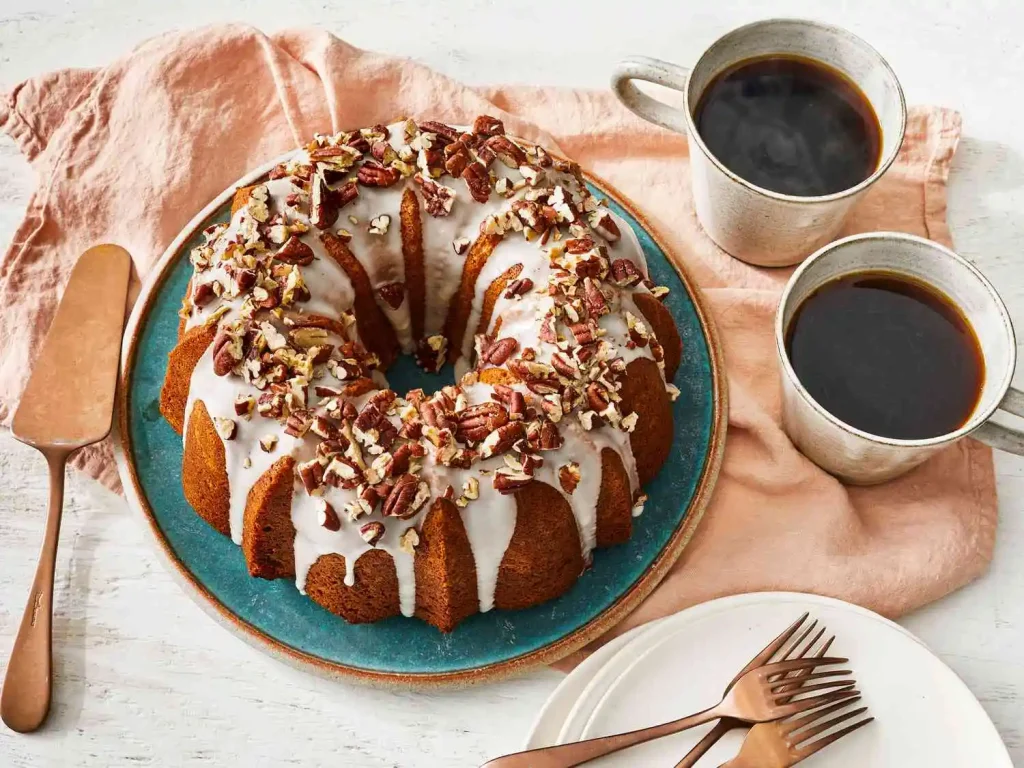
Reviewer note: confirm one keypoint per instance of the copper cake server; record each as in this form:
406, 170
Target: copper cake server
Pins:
67, 404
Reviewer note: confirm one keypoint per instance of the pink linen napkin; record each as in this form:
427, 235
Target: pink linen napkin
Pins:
131, 152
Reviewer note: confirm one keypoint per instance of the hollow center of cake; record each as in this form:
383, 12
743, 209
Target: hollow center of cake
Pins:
404, 375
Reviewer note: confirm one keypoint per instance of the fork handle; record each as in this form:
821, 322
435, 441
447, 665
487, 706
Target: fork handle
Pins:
25, 700
711, 738
576, 753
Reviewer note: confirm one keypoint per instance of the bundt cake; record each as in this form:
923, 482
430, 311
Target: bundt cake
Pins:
455, 245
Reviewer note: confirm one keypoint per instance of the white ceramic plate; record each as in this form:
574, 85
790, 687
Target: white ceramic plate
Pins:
925, 715
556, 709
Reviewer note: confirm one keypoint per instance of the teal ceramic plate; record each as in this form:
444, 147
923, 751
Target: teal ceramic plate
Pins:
275, 617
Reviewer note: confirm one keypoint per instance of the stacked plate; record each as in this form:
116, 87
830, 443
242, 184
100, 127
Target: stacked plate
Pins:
925, 715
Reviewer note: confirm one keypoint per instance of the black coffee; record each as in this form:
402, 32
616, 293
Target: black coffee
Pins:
791, 125
888, 355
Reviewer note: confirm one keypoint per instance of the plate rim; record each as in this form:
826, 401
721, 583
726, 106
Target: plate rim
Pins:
494, 671
676, 623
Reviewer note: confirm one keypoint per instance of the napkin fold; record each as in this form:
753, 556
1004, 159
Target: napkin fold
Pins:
129, 153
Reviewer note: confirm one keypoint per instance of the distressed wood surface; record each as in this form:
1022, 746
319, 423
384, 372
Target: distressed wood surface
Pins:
145, 678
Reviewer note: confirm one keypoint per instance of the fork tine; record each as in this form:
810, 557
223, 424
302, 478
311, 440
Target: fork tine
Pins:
789, 726
769, 650
799, 641
807, 750
844, 683
818, 728
791, 679
803, 705
796, 682
793, 665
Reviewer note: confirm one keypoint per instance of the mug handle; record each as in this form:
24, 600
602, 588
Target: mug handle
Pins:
651, 71
998, 436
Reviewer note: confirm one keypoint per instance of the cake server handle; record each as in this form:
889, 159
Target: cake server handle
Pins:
25, 700
652, 71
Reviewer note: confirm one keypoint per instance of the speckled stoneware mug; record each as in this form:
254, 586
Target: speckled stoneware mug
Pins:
751, 223
857, 456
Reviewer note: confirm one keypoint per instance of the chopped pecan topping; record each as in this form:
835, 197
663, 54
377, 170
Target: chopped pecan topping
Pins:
569, 476
502, 439
226, 428
311, 474
406, 497
478, 421
605, 226
437, 197
499, 352
328, 517
383, 152
478, 181
507, 481
227, 352
299, 421
345, 194
518, 287
372, 532
393, 294
373, 174
408, 541
323, 211
456, 158
445, 132
507, 151
625, 273
294, 251
485, 125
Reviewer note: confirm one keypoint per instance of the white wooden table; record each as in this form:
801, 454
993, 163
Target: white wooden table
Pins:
145, 678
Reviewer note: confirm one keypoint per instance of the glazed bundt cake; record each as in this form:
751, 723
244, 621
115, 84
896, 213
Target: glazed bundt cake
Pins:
455, 245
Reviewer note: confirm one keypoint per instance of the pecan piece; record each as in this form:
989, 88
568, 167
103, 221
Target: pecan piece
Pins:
456, 158
383, 152
569, 476
625, 273
311, 474
605, 225
294, 251
227, 352
203, 294
328, 517
485, 125
506, 482
372, 532
594, 298
479, 183
393, 294
478, 421
445, 132
437, 197
373, 174
507, 151
502, 439
519, 287
345, 194
323, 211
499, 352
407, 495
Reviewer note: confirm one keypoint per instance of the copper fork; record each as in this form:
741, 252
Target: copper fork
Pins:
767, 655
786, 743
755, 698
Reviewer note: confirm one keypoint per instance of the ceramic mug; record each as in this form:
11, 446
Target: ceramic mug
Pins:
751, 223
857, 456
